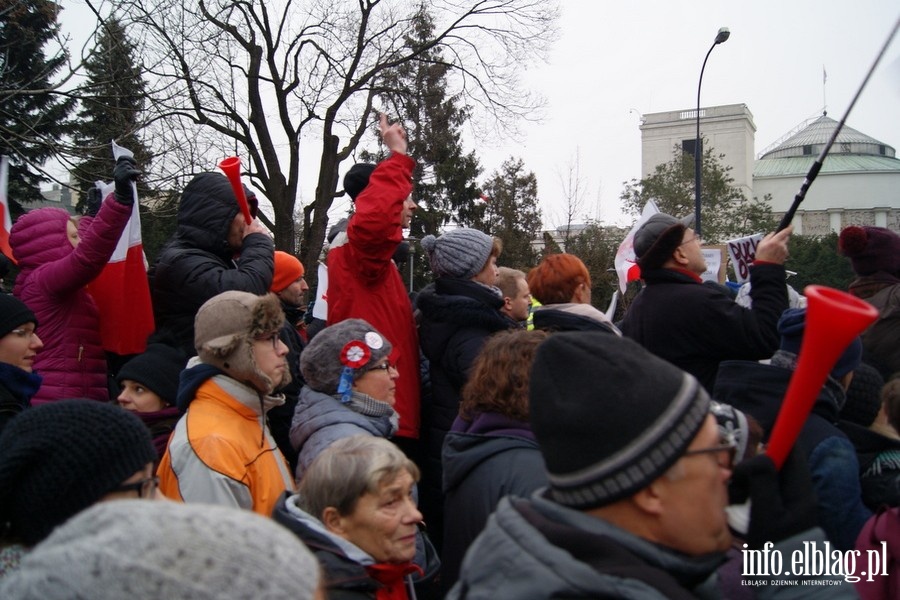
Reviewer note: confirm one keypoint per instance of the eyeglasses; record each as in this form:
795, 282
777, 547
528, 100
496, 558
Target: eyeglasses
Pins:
144, 487
729, 450
689, 240
271, 337
385, 366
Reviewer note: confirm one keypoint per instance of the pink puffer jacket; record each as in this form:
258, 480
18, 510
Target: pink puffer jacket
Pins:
52, 283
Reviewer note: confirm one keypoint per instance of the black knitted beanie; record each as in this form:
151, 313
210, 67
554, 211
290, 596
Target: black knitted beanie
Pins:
13, 313
357, 178
57, 459
863, 396
609, 416
157, 369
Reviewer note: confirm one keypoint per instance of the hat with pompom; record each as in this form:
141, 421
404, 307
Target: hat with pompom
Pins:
460, 253
871, 249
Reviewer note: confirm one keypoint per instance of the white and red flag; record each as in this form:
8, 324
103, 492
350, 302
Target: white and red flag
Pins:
121, 291
5, 218
626, 267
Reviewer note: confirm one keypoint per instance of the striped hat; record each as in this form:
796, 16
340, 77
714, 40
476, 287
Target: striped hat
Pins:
609, 416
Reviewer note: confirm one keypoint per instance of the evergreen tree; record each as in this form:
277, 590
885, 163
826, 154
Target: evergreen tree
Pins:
511, 213
33, 118
815, 259
726, 213
111, 105
444, 181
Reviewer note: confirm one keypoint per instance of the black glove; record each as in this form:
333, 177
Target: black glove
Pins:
782, 503
93, 202
125, 172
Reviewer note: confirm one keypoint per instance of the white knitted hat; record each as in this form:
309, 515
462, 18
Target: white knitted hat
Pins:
159, 549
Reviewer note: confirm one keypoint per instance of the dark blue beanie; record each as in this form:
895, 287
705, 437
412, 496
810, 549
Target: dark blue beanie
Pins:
791, 326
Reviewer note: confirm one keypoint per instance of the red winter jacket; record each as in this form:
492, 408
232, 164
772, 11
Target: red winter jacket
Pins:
363, 282
52, 284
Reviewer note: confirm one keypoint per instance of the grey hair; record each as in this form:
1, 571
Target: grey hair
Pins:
347, 470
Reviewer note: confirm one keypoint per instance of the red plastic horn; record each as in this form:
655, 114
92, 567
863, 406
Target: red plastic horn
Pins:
833, 319
231, 166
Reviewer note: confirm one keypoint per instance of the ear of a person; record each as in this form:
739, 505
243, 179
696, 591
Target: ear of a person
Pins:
333, 521
652, 499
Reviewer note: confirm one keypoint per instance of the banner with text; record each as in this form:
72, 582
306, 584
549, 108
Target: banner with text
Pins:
742, 252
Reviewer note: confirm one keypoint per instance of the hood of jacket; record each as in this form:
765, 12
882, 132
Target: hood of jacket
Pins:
572, 317
449, 305
316, 411
207, 208
38, 237
343, 563
470, 444
514, 558
758, 390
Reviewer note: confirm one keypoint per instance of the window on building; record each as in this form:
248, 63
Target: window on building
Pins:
807, 149
687, 146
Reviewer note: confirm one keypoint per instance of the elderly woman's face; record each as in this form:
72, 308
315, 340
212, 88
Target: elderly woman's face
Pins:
383, 524
379, 382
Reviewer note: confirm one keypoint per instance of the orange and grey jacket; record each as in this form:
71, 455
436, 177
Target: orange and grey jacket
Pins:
221, 451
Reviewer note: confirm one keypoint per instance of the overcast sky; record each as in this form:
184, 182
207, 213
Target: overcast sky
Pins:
615, 60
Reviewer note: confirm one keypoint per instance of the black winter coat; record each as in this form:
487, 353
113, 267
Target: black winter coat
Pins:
457, 317
696, 326
198, 263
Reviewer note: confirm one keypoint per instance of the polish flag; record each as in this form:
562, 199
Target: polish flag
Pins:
5, 219
626, 267
121, 291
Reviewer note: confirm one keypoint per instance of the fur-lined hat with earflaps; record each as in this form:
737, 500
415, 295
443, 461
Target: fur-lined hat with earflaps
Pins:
225, 328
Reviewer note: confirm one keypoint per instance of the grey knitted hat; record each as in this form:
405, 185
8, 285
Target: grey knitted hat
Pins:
58, 458
609, 416
320, 361
156, 549
460, 253
224, 330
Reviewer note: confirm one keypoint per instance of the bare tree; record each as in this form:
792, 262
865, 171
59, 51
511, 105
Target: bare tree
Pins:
257, 78
574, 191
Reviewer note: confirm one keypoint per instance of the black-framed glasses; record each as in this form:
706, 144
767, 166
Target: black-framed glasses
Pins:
691, 239
269, 337
385, 366
728, 450
144, 487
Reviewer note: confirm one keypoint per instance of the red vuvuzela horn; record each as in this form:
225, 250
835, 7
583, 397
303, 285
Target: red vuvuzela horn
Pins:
231, 166
833, 320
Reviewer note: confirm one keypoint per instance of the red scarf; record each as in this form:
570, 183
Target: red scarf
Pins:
391, 577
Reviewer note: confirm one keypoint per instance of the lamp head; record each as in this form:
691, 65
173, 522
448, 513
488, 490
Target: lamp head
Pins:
722, 35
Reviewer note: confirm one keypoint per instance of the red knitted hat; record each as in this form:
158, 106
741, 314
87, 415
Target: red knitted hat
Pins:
871, 249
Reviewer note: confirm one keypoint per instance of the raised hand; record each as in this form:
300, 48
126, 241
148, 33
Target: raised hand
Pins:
124, 174
394, 135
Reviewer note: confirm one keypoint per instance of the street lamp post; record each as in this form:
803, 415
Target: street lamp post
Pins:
698, 152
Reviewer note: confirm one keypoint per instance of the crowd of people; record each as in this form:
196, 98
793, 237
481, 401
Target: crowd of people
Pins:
552, 452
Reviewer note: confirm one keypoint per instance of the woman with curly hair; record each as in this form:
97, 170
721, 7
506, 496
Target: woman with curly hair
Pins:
490, 451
